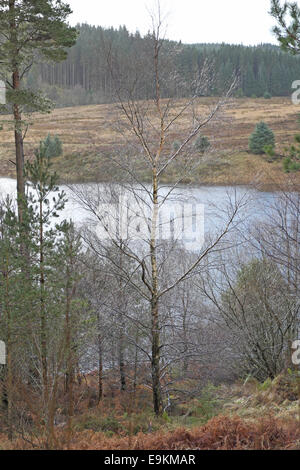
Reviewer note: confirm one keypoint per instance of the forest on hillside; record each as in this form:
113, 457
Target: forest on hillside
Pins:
85, 77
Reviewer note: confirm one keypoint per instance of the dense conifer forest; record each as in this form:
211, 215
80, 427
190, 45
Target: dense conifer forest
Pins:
262, 70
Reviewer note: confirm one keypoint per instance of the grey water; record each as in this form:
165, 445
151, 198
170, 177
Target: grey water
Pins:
218, 202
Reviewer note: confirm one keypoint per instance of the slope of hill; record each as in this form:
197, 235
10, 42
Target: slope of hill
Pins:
91, 139
85, 78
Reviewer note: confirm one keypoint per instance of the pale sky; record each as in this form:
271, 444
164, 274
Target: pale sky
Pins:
191, 21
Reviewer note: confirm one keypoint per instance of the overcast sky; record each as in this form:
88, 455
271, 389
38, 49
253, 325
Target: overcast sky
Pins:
231, 21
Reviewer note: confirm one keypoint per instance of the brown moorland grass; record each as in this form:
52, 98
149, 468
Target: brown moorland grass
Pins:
90, 136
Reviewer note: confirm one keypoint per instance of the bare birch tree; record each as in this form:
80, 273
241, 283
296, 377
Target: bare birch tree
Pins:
148, 127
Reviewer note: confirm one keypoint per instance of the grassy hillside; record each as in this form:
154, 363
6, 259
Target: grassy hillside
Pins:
90, 137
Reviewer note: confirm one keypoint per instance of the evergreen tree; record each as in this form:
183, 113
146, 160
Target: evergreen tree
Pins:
13, 294
52, 146
287, 30
202, 144
84, 77
40, 319
29, 31
44, 204
262, 136
288, 36
291, 162
267, 95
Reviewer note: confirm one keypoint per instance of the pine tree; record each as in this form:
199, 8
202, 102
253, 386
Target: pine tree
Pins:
15, 307
9, 299
40, 319
30, 30
68, 251
291, 162
52, 146
262, 136
84, 77
202, 144
287, 34
44, 204
267, 95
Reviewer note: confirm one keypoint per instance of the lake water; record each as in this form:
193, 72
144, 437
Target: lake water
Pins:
216, 200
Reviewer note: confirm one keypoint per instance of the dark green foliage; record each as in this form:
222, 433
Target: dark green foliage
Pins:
84, 78
43, 180
202, 144
99, 423
292, 162
44, 35
53, 146
290, 166
269, 150
262, 136
208, 403
45, 29
267, 95
287, 30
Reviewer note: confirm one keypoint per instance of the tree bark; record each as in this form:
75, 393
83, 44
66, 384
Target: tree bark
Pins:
155, 360
100, 362
9, 378
70, 362
17, 114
